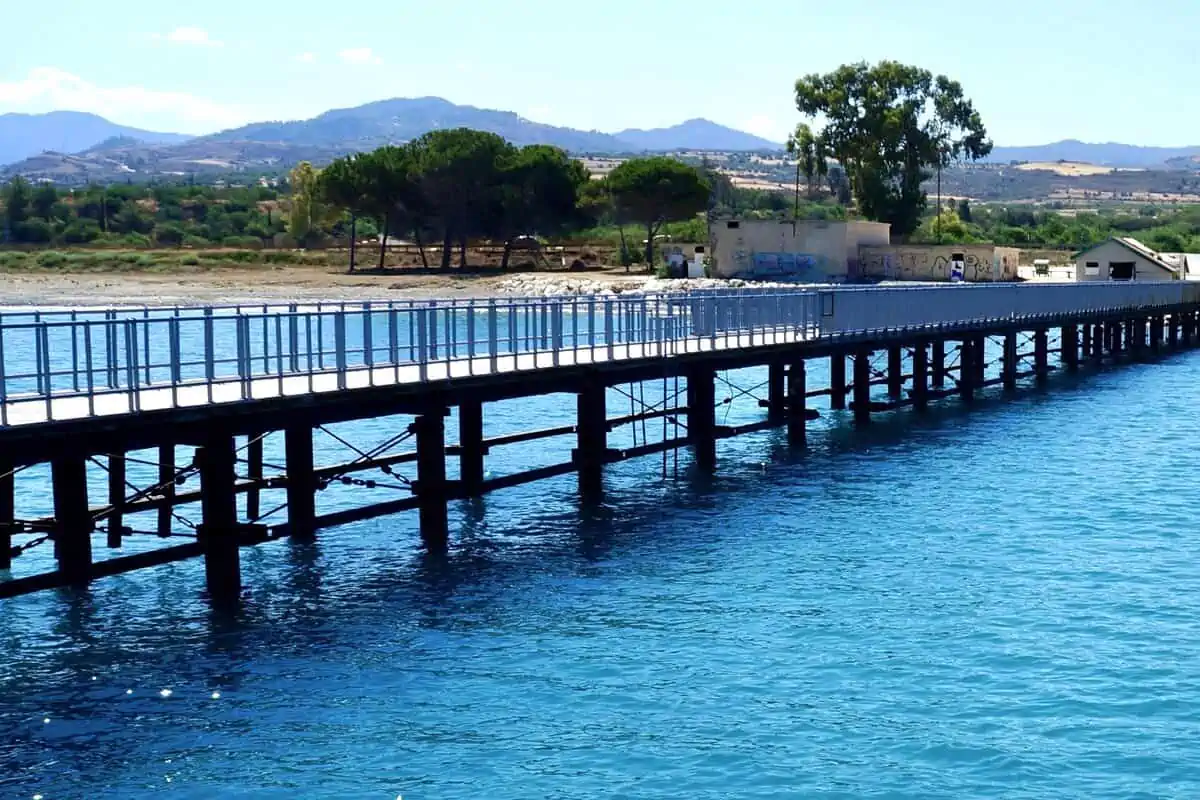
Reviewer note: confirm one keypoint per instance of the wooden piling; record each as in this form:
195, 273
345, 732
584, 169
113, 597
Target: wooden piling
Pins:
702, 416
73, 524
116, 499
862, 386
254, 472
1008, 368
837, 382
166, 480
797, 411
895, 374
937, 362
591, 439
7, 512
920, 376
218, 533
431, 489
302, 483
471, 449
777, 392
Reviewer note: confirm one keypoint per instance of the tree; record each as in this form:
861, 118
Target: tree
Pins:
44, 201
343, 185
540, 188
655, 190
459, 174
888, 125
17, 200
964, 210
308, 212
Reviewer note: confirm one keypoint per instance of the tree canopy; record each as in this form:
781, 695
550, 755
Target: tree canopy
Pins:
889, 125
652, 191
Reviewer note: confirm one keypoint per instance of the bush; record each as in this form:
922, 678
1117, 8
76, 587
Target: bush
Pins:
13, 260
169, 235
34, 231
242, 242
195, 241
51, 259
81, 231
190, 260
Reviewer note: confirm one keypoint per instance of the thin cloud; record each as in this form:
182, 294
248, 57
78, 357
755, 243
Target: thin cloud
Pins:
50, 88
197, 37
360, 55
307, 58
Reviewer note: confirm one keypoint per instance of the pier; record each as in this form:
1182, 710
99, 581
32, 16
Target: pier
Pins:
212, 392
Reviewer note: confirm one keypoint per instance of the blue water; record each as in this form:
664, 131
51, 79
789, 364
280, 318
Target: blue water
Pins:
1000, 602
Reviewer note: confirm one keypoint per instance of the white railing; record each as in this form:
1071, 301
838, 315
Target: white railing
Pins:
49, 356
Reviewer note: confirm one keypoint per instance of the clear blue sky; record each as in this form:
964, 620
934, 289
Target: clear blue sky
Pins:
1098, 70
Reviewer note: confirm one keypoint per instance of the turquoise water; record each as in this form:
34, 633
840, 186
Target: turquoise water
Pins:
1000, 602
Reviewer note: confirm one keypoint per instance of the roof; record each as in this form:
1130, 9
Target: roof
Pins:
1189, 262
1138, 249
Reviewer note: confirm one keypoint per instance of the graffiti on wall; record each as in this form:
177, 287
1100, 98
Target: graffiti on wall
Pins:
793, 266
917, 265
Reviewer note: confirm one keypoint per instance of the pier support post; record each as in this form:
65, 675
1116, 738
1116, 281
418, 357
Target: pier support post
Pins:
1041, 354
302, 482
166, 480
591, 447
837, 382
980, 360
1156, 333
797, 411
937, 359
218, 532
431, 489
1009, 362
1086, 349
254, 472
7, 512
1132, 329
1173, 330
702, 416
116, 499
471, 450
862, 386
1098, 342
1069, 356
73, 524
777, 392
895, 375
967, 370
920, 376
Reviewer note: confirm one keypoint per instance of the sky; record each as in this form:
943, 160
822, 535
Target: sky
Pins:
1038, 71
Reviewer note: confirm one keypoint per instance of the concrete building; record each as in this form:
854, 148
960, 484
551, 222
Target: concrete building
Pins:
1124, 259
814, 251
940, 262
1187, 263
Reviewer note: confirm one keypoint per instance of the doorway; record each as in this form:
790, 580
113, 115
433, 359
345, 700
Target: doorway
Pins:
1121, 270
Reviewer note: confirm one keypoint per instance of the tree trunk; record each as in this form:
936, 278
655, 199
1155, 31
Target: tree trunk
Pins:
462, 253
650, 247
447, 240
624, 244
420, 246
507, 253
383, 237
353, 240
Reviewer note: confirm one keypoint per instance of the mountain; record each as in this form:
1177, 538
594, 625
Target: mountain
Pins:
25, 135
1108, 154
402, 119
695, 134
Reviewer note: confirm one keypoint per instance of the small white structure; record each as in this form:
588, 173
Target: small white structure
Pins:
1124, 259
1187, 263
804, 251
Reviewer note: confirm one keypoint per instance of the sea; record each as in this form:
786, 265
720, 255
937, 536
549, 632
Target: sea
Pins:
994, 601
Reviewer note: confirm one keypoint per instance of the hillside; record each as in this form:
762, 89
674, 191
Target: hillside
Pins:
1108, 154
695, 134
25, 135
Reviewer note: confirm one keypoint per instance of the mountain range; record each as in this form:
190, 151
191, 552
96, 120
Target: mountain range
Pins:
73, 147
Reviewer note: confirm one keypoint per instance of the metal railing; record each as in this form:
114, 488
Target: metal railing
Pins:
50, 356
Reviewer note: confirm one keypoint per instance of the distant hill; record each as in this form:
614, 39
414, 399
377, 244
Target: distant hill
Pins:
1109, 154
399, 120
25, 135
695, 134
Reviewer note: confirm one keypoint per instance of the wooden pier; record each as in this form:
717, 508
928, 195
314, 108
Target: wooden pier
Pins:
83, 390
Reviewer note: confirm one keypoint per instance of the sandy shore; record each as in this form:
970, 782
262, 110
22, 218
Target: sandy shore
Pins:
271, 284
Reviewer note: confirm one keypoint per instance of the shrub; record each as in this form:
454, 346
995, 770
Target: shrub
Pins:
81, 231
190, 260
51, 258
242, 242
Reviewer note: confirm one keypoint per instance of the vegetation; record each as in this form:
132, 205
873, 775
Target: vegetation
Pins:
888, 125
